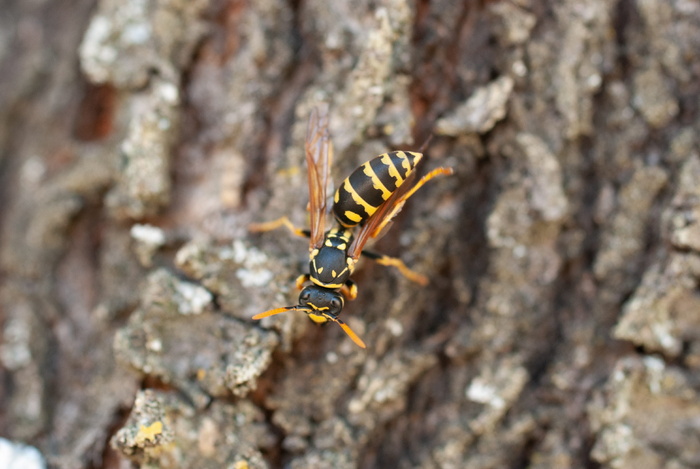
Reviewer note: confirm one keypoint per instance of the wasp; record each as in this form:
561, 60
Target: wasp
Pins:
363, 207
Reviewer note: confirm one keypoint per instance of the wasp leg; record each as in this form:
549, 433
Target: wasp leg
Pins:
398, 205
349, 290
274, 224
399, 264
301, 280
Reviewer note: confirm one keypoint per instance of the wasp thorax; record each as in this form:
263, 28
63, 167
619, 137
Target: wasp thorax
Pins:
329, 267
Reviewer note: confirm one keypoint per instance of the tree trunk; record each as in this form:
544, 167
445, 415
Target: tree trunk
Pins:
561, 323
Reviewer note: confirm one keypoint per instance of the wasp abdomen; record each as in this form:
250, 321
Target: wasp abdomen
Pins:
370, 185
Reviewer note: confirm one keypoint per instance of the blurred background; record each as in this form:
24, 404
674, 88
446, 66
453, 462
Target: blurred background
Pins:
561, 324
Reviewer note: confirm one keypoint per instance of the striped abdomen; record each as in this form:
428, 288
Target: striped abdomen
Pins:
370, 185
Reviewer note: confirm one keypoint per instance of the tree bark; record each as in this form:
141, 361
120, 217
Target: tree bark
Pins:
561, 324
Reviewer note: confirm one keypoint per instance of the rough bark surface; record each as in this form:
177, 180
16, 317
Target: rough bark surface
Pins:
561, 325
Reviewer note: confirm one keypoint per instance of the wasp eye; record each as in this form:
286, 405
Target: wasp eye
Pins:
305, 295
336, 304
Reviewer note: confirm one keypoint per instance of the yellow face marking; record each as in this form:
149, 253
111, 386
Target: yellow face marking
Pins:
359, 200
319, 270
376, 182
334, 274
313, 254
328, 243
393, 172
342, 247
317, 308
318, 319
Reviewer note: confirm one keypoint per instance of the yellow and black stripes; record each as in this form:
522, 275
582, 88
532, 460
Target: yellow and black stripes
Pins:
370, 185
364, 205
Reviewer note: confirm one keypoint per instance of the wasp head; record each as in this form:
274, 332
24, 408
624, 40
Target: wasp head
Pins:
323, 304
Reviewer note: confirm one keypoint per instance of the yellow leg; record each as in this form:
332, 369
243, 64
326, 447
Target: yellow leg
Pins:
412, 275
349, 290
274, 224
403, 268
301, 280
402, 200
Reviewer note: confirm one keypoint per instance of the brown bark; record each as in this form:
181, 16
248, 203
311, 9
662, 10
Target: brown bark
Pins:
561, 325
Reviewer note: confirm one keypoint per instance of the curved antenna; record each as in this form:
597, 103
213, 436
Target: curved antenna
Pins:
284, 309
355, 338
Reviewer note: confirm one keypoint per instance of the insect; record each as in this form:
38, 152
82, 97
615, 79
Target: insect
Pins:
365, 201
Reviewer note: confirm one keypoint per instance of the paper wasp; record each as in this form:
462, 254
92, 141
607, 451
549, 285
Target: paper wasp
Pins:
367, 200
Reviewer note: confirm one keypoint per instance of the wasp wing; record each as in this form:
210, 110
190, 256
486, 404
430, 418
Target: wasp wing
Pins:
381, 219
319, 158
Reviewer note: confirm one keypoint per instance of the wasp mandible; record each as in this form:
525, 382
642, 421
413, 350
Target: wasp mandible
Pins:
366, 200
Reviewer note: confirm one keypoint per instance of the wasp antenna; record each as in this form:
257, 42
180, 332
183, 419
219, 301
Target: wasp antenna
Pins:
355, 338
272, 312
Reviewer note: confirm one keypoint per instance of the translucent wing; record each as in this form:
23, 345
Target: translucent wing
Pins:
319, 157
380, 219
